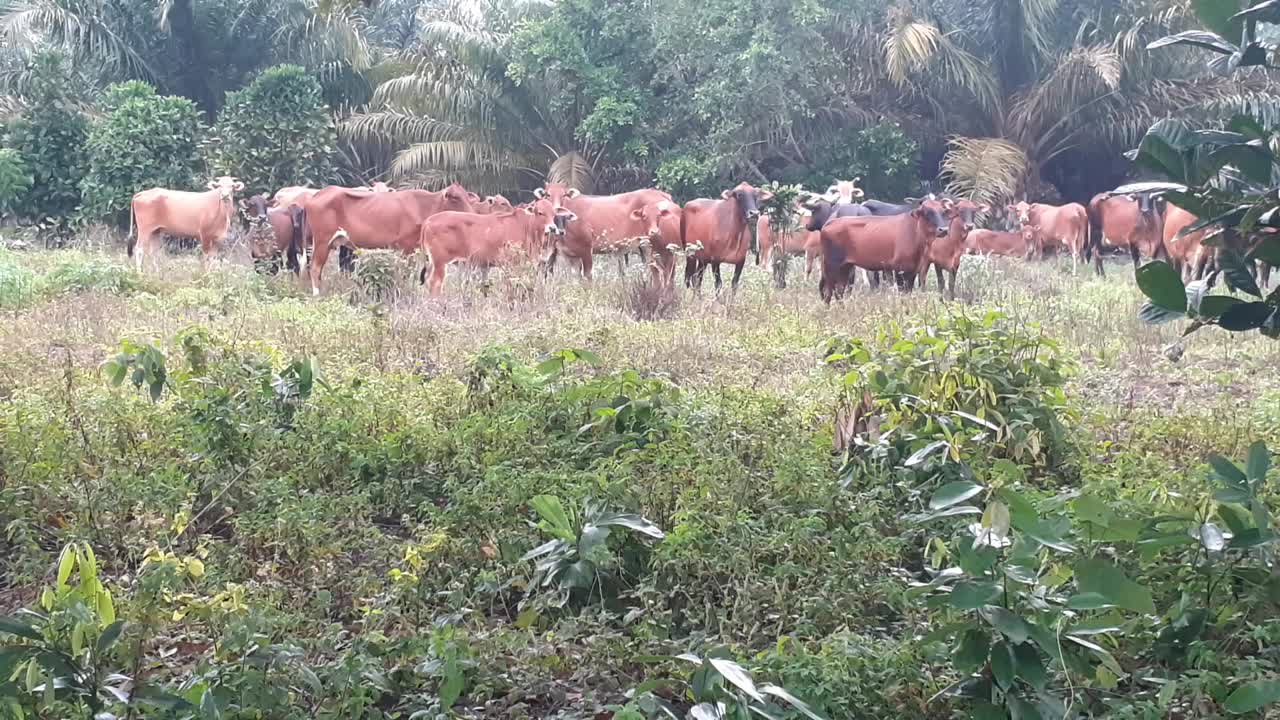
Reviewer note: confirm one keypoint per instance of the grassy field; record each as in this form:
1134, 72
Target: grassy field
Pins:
352, 547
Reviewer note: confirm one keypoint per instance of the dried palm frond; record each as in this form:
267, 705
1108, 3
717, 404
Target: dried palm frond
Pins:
1082, 76
913, 46
573, 170
1037, 18
985, 170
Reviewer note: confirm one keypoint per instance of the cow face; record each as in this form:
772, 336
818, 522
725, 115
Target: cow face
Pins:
226, 186
845, 191
966, 210
557, 193
552, 219
652, 215
498, 204
932, 214
1022, 211
748, 200
819, 214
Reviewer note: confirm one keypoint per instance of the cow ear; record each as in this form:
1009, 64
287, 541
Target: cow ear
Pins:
572, 193
765, 196
637, 214
833, 190
984, 208
857, 192
539, 193
726, 194
528, 210
569, 215
473, 197
212, 184
237, 186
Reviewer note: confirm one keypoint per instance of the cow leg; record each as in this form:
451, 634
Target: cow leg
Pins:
715, 270
436, 283
319, 256
873, 279
942, 283
809, 256
1137, 257
587, 261
951, 287
690, 268
737, 275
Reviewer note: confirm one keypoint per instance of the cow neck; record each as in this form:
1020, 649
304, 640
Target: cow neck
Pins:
730, 206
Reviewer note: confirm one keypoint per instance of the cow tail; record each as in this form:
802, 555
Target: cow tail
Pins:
423, 238
298, 216
132, 241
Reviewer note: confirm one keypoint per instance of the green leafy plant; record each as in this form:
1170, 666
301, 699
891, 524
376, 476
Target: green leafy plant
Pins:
576, 561
61, 657
142, 364
15, 180
143, 141
718, 687
274, 133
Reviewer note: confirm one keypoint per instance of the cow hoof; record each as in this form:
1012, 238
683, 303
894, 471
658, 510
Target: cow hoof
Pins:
315, 292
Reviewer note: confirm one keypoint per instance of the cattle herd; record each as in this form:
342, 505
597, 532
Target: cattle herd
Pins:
840, 230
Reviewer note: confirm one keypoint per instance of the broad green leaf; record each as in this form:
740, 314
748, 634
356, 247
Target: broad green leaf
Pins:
735, 674
1091, 509
630, 521
1002, 664
553, 515
452, 687
1153, 314
1011, 626
1259, 462
106, 608
1089, 601
209, 706
971, 653
1020, 709
17, 627
1213, 306
791, 700
1253, 696
1245, 316
66, 563
923, 453
1227, 470
1097, 575
109, 637
1029, 666
945, 513
952, 493
971, 595
1160, 282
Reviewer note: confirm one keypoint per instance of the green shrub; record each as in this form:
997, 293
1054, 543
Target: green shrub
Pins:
687, 177
90, 273
882, 155
50, 136
275, 132
15, 180
17, 283
143, 141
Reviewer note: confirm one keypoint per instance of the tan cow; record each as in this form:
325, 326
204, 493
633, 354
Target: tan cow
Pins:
204, 216
995, 242
1128, 221
1052, 225
1187, 253
338, 216
945, 252
485, 241
295, 195
797, 242
661, 221
605, 224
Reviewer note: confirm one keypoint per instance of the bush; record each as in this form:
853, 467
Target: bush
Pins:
15, 180
144, 141
50, 139
882, 155
687, 177
275, 132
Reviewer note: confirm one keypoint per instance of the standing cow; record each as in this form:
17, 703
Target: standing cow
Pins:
605, 224
274, 232
945, 252
1127, 221
723, 229
362, 219
204, 216
897, 244
1187, 254
1052, 225
495, 239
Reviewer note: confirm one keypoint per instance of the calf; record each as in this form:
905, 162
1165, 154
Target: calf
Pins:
898, 244
1050, 225
204, 216
485, 241
722, 228
995, 242
945, 252
1187, 253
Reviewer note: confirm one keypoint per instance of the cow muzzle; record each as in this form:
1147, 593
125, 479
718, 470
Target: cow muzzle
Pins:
940, 232
968, 227
553, 230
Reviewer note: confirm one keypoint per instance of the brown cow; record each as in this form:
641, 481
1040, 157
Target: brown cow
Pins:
491, 204
295, 195
661, 221
1127, 221
204, 216
995, 242
605, 224
722, 227
485, 241
274, 232
797, 242
945, 252
1187, 253
897, 243
1052, 225
361, 219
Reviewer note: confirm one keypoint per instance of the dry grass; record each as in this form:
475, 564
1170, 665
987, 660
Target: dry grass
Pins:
758, 337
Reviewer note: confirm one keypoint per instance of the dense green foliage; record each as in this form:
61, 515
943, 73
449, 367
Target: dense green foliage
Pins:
143, 141
50, 137
274, 133
15, 180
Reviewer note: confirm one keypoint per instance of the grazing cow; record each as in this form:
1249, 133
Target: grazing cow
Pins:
1187, 253
898, 244
945, 252
484, 241
362, 219
1127, 221
1052, 225
204, 216
995, 242
723, 228
605, 224
274, 232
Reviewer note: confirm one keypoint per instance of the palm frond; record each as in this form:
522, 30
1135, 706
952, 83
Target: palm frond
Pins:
914, 46
572, 169
985, 170
1037, 18
1082, 76
78, 31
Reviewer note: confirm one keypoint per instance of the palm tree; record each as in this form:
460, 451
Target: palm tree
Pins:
457, 115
